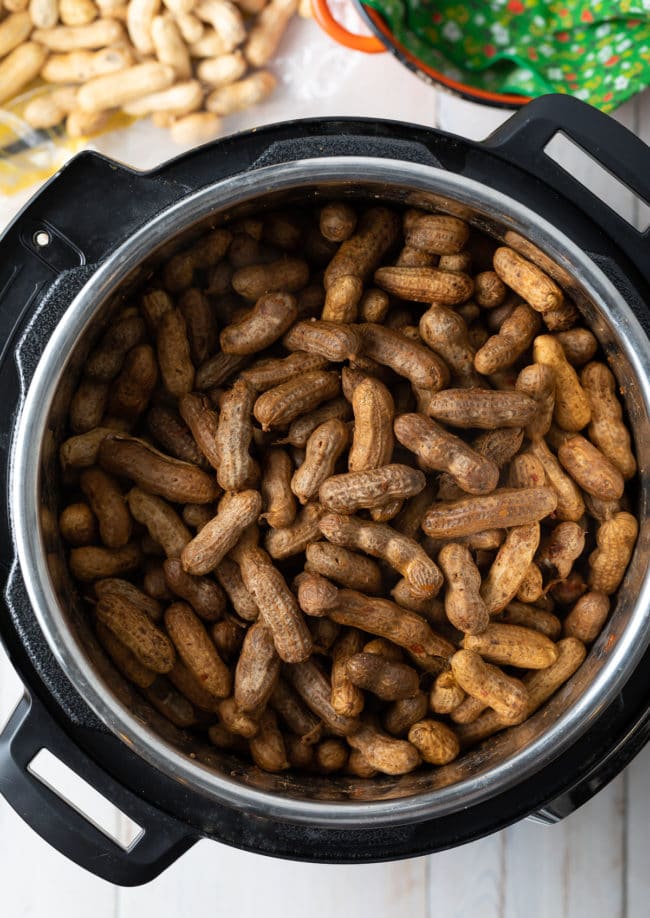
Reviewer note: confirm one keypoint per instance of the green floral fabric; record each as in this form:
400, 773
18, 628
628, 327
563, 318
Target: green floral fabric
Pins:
599, 51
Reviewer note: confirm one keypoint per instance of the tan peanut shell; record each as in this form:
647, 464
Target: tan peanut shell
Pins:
436, 742
211, 545
426, 285
216, 370
337, 221
284, 403
489, 685
78, 525
124, 658
446, 333
196, 411
374, 305
324, 448
529, 281
570, 505
529, 616
564, 544
483, 408
92, 562
408, 358
347, 568
267, 373
236, 470
438, 234
381, 541
446, 694
607, 429
505, 507
354, 491
510, 567
591, 469
489, 290
230, 579
464, 605
531, 587
173, 347
286, 275
237, 721
513, 339
303, 427
615, 539
257, 669
579, 345
197, 515
267, 321
347, 698
154, 472
572, 410
538, 381
106, 361
315, 689
163, 523
386, 679
81, 451
342, 299
188, 685
586, 619
400, 716
512, 645
132, 389
384, 753
202, 593
196, 649
331, 755
362, 252
330, 339
133, 627
278, 499
293, 539
170, 703
372, 440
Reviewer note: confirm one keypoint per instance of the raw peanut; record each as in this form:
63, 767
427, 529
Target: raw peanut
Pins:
372, 442
445, 332
78, 525
153, 582
518, 613
483, 408
135, 630
154, 472
362, 252
196, 649
446, 694
402, 714
505, 507
225, 18
278, 500
229, 576
532, 585
464, 605
579, 345
489, 290
488, 684
98, 34
267, 31
426, 285
615, 539
387, 680
591, 469
14, 30
409, 519
510, 566
265, 374
257, 669
513, 339
50, 110
607, 429
113, 586
237, 721
241, 94
210, 546
170, 48
222, 70
139, 22
354, 491
267, 321
228, 637
292, 540
345, 567
81, 66
529, 281
132, 389
173, 346
267, 747
384, 753
526, 471
324, 448
468, 711
278, 607
342, 299
88, 405
162, 522
210, 44
373, 305
559, 550
314, 688
215, 371
108, 505
381, 541
538, 381
174, 706
438, 234
202, 593
178, 272
196, 412
44, 13
106, 361
388, 620
77, 12
415, 258
168, 429
438, 449
236, 469
331, 340
436, 742
284, 403
124, 658
188, 685
331, 756
298, 718
405, 357
572, 411
337, 221
512, 645
347, 699
570, 505
586, 619
116, 89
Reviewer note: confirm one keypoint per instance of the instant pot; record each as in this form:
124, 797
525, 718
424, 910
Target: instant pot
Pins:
93, 234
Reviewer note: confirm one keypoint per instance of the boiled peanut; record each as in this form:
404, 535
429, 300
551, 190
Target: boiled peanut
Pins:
257, 669
570, 505
386, 679
211, 545
135, 630
426, 285
445, 332
438, 234
490, 685
510, 566
292, 540
345, 567
464, 606
607, 429
386, 754
323, 449
236, 469
615, 539
446, 694
361, 252
483, 408
436, 742
354, 491
423, 368
572, 410
277, 496
587, 617
197, 650
505, 507
267, 321
78, 525
512, 645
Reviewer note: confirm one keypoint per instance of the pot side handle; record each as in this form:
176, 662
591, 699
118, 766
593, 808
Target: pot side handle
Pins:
522, 141
162, 841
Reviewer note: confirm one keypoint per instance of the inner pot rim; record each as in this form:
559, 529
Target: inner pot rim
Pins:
26, 464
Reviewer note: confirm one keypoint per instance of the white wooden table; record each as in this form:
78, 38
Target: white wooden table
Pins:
595, 864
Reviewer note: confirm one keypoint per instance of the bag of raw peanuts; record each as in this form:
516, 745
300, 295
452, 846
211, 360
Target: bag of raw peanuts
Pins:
73, 69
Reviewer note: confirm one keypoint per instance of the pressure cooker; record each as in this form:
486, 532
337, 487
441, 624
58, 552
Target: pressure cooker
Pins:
70, 259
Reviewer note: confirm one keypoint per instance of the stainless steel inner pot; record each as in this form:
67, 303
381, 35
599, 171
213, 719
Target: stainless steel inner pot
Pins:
505, 759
